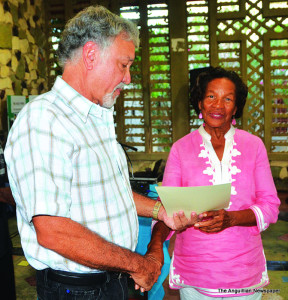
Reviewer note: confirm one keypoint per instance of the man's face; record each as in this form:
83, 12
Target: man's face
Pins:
112, 72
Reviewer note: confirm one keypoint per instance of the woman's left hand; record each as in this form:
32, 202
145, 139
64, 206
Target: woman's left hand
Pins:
214, 221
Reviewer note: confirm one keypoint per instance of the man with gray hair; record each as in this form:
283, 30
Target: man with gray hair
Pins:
76, 213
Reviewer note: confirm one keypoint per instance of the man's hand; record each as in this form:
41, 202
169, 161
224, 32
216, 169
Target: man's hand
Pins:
179, 221
148, 273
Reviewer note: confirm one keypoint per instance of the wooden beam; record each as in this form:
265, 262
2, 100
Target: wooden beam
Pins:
179, 68
212, 20
145, 74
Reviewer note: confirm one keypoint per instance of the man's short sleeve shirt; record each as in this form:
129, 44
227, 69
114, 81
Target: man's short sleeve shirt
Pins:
63, 160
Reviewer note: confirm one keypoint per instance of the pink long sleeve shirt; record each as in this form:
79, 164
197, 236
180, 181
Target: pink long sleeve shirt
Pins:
231, 261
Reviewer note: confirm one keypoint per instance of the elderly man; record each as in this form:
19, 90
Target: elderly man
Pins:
77, 215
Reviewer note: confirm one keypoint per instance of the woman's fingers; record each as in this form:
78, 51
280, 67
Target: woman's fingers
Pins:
214, 221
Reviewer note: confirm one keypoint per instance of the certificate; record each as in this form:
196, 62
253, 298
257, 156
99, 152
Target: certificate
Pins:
194, 199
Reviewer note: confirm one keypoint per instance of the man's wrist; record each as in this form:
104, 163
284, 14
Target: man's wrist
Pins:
161, 213
156, 210
136, 263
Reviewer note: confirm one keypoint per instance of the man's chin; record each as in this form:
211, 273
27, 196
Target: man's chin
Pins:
110, 99
109, 104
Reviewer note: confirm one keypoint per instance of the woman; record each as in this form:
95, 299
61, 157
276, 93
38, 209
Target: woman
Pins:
222, 254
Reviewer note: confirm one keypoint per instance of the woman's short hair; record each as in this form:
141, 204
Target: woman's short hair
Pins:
96, 24
199, 89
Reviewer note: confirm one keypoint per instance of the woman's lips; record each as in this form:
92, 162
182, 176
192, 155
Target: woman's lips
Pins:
216, 115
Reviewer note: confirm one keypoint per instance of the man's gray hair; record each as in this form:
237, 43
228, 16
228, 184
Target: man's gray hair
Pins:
96, 24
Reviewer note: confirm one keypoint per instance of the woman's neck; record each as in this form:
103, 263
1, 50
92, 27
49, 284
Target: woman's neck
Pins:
217, 139
217, 133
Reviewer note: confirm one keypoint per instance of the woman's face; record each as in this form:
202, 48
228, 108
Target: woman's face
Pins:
219, 104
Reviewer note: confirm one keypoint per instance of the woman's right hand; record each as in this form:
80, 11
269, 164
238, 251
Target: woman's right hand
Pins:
218, 220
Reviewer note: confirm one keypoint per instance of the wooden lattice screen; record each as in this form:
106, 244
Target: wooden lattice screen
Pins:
146, 107
58, 13
248, 36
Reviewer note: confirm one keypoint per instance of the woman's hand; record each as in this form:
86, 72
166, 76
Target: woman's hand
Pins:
215, 221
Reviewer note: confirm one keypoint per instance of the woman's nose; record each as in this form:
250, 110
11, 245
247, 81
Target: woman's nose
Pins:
218, 102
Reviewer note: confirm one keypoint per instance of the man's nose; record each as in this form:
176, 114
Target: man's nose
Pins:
127, 77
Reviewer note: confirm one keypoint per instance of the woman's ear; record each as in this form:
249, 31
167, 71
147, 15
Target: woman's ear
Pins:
200, 105
89, 54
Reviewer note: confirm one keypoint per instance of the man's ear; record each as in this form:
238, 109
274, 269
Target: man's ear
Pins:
89, 54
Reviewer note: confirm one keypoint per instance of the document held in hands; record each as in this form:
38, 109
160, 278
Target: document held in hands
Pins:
194, 198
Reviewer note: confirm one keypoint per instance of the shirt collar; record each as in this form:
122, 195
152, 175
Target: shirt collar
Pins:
206, 136
81, 105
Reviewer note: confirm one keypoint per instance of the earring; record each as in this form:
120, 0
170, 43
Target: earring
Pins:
233, 121
200, 115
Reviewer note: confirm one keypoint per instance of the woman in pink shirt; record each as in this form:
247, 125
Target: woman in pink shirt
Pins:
221, 256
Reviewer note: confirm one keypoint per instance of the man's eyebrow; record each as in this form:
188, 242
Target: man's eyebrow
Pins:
128, 58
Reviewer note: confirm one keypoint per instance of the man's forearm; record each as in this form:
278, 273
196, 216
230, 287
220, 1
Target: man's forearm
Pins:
77, 243
155, 247
159, 235
144, 205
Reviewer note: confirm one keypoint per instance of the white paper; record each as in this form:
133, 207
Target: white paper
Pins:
194, 199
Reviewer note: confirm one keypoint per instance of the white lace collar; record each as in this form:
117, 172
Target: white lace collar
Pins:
221, 171
206, 136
